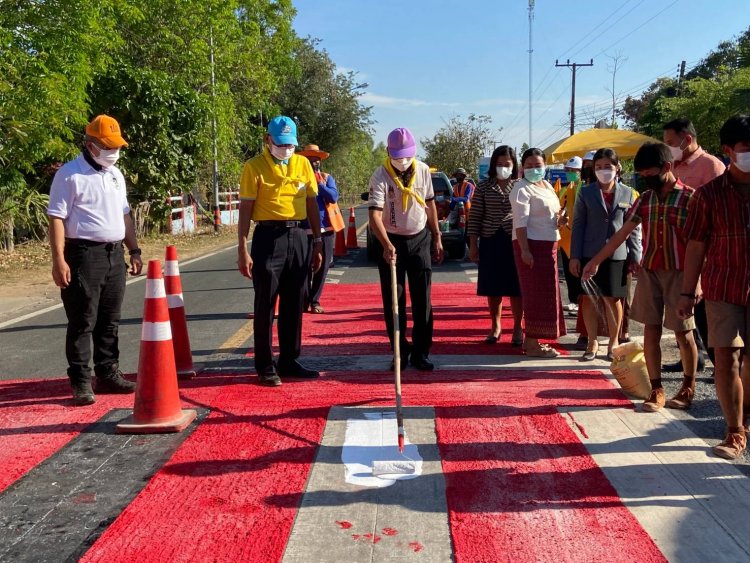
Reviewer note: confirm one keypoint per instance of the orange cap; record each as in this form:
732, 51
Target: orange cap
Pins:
106, 130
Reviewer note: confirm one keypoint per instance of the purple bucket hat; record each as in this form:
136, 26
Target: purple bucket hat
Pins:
401, 144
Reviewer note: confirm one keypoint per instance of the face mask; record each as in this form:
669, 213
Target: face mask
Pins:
742, 161
281, 153
401, 164
534, 174
587, 174
106, 157
605, 176
654, 182
572, 176
503, 172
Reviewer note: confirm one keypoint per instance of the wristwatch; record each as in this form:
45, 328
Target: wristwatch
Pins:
135, 252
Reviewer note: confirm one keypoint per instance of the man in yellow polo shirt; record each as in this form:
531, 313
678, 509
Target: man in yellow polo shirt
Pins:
278, 190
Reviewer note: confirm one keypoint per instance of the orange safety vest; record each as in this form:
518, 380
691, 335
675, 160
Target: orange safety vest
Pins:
460, 190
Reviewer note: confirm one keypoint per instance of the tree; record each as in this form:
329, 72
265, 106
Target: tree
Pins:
460, 143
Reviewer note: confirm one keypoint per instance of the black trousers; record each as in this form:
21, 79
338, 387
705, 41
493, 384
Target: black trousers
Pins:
573, 283
413, 260
318, 279
92, 302
281, 261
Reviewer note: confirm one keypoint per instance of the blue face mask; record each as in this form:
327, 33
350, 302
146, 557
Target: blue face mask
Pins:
439, 198
534, 174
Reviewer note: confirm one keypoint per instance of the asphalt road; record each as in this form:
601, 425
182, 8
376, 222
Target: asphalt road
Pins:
217, 300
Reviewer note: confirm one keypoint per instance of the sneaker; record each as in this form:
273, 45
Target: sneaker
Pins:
113, 382
732, 446
83, 394
682, 400
655, 401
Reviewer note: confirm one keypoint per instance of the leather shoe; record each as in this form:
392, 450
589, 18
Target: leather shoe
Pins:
269, 379
422, 363
298, 370
404, 364
113, 382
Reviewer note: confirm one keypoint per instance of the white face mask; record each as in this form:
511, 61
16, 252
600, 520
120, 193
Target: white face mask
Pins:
742, 161
281, 153
676, 153
401, 164
106, 157
503, 172
606, 175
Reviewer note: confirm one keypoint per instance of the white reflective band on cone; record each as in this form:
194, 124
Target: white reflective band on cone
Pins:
171, 268
156, 332
155, 289
175, 301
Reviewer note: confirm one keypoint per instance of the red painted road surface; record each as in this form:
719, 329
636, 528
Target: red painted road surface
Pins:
520, 485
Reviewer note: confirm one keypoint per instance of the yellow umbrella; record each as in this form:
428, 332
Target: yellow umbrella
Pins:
625, 144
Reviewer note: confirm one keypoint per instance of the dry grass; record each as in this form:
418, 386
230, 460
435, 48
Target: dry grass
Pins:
30, 264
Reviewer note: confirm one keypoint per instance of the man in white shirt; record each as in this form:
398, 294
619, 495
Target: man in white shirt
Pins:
402, 206
89, 218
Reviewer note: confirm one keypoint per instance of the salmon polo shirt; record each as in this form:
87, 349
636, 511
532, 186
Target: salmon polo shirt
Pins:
280, 191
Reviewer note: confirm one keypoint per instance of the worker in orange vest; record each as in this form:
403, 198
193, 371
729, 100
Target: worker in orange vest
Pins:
463, 190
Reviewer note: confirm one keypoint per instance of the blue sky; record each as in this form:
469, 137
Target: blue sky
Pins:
428, 60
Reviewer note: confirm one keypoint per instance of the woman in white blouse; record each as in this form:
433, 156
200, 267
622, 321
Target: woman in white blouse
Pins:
536, 218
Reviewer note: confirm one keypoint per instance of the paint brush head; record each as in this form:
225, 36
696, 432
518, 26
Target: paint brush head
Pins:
400, 442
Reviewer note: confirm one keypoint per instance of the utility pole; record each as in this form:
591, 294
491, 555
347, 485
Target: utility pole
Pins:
575, 67
531, 51
215, 179
681, 79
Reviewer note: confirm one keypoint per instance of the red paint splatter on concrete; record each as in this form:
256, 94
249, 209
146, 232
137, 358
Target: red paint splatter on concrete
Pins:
85, 498
581, 429
343, 524
355, 537
372, 537
415, 546
390, 531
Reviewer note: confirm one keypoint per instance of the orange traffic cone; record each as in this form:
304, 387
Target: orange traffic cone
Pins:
351, 233
183, 356
340, 248
157, 399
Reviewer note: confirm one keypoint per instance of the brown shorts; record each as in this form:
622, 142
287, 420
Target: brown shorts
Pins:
728, 325
655, 300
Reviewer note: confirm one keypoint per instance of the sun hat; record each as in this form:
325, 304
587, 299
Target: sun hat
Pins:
106, 130
314, 151
283, 130
401, 143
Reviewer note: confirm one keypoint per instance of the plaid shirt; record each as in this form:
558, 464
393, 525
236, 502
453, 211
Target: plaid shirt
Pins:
663, 223
719, 216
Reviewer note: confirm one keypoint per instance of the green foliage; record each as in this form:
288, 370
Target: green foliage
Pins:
460, 143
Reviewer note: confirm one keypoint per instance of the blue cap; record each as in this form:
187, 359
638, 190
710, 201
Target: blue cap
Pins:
283, 130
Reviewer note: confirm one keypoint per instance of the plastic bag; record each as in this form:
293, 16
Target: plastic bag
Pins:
629, 367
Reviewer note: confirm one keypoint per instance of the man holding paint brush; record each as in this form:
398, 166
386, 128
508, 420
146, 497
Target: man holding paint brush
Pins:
662, 211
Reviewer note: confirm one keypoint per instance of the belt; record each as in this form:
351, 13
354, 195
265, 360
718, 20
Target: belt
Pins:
279, 224
85, 242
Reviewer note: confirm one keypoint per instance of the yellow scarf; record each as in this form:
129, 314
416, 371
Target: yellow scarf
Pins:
406, 191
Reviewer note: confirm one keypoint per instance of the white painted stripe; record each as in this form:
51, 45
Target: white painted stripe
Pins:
171, 268
155, 289
333, 281
472, 272
156, 332
473, 279
175, 301
336, 272
375, 439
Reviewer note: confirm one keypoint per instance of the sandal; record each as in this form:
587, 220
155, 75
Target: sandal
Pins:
317, 309
590, 354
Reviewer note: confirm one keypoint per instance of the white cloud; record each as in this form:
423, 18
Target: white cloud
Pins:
391, 101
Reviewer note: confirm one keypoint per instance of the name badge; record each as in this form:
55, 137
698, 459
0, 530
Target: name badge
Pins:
623, 205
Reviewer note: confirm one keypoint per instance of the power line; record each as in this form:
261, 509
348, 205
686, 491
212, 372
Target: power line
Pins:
606, 29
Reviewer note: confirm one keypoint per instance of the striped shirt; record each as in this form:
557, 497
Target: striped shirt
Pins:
663, 223
490, 209
719, 216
